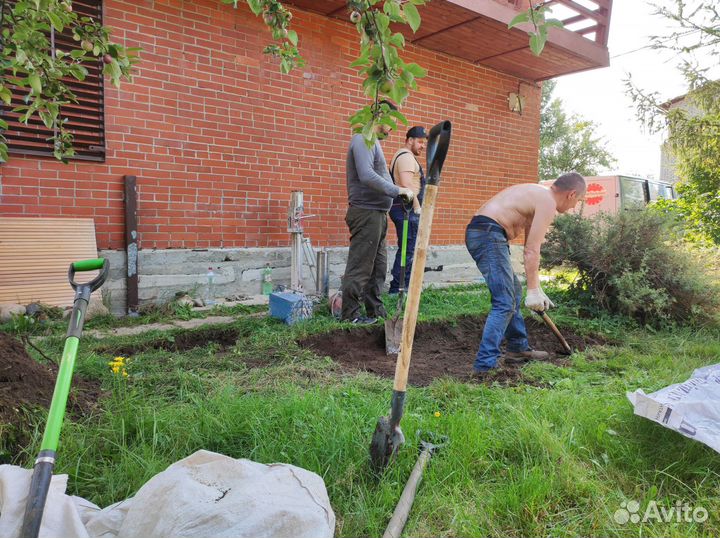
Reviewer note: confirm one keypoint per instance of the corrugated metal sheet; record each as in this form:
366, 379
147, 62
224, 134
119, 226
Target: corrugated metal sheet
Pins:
35, 255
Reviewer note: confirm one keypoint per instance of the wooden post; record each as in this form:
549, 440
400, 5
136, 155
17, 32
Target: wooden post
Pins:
131, 245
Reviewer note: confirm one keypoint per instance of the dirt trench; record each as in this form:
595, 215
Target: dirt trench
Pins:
25, 384
440, 349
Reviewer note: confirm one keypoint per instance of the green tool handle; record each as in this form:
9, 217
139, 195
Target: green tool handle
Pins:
403, 248
89, 265
45, 462
60, 395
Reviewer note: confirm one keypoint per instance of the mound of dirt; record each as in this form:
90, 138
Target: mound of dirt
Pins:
440, 349
26, 384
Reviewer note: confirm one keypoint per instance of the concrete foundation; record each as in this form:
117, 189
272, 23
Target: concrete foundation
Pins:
165, 273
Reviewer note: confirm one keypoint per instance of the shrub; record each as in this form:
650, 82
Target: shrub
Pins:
634, 263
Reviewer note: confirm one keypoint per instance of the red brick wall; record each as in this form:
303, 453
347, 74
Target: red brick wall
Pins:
218, 138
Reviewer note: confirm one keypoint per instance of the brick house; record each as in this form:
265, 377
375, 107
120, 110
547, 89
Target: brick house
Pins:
218, 138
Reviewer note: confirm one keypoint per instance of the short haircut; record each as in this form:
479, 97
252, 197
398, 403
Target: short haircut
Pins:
572, 181
388, 103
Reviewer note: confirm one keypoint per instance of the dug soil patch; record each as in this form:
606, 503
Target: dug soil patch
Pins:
26, 384
183, 340
440, 349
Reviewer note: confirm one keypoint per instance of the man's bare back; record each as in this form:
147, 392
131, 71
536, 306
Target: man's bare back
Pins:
514, 208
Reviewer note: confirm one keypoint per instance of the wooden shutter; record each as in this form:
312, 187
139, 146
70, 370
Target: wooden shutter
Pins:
86, 118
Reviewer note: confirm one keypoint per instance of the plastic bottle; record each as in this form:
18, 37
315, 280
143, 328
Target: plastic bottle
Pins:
267, 280
210, 298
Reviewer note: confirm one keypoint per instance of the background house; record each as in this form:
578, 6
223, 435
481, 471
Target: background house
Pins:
217, 138
668, 162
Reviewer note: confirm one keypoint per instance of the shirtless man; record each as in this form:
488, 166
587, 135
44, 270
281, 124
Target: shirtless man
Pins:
528, 208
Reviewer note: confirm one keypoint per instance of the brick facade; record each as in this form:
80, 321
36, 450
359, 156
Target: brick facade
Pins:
218, 138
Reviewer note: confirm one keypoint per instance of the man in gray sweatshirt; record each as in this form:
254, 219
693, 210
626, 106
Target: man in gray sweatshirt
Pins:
370, 195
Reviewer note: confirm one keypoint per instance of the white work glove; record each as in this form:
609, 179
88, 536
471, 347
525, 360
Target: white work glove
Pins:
406, 194
417, 210
537, 300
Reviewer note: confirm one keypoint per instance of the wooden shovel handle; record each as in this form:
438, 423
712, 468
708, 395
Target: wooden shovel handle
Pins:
402, 510
555, 330
415, 289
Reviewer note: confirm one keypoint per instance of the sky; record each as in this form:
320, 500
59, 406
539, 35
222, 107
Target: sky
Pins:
599, 95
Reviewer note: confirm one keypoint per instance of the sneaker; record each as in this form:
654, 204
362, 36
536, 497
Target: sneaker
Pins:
519, 357
363, 320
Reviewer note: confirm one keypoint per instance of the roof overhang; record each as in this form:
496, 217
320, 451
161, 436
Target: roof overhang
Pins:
476, 31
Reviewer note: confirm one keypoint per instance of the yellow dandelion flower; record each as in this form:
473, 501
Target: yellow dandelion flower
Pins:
119, 359
437, 414
115, 369
125, 374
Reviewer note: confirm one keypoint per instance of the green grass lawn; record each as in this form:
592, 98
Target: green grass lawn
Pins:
557, 456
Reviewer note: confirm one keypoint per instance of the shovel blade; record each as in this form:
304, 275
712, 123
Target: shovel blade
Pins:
393, 335
385, 443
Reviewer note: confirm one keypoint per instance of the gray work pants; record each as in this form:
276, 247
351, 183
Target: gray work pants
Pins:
366, 264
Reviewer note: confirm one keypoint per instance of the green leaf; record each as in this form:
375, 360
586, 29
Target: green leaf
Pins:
35, 84
3, 152
416, 70
3, 124
399, 92
114, 72
519, 19
255, 6
388, 120
383, 21
537, 44
292, 37
368, 131
46, 118
412, 16
5, 95
77, 54
392, 8
78, 71
407, 77
554, 23
398, 40
399, 115
362, 60
56, 21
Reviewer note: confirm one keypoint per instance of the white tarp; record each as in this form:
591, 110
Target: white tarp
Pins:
204, 495
691, 408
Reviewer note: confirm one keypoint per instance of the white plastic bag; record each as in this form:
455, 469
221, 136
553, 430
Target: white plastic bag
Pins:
210, 495
60, 519
691, 408
203, 495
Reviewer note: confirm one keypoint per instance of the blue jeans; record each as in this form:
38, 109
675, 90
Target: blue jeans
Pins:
397, 215
489, 247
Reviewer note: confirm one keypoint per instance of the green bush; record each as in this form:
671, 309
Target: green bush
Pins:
634, 263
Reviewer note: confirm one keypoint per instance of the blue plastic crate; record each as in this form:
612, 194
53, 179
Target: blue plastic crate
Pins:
289, 306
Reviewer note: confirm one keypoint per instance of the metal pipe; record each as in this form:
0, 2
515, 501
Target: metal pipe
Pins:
295, 214
323, 274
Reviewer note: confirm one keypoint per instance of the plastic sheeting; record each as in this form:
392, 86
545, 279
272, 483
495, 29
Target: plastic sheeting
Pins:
691, 408
203, 495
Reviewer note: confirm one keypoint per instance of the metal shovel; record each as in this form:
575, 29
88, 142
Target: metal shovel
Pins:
45, 462
393, 326
388, 436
